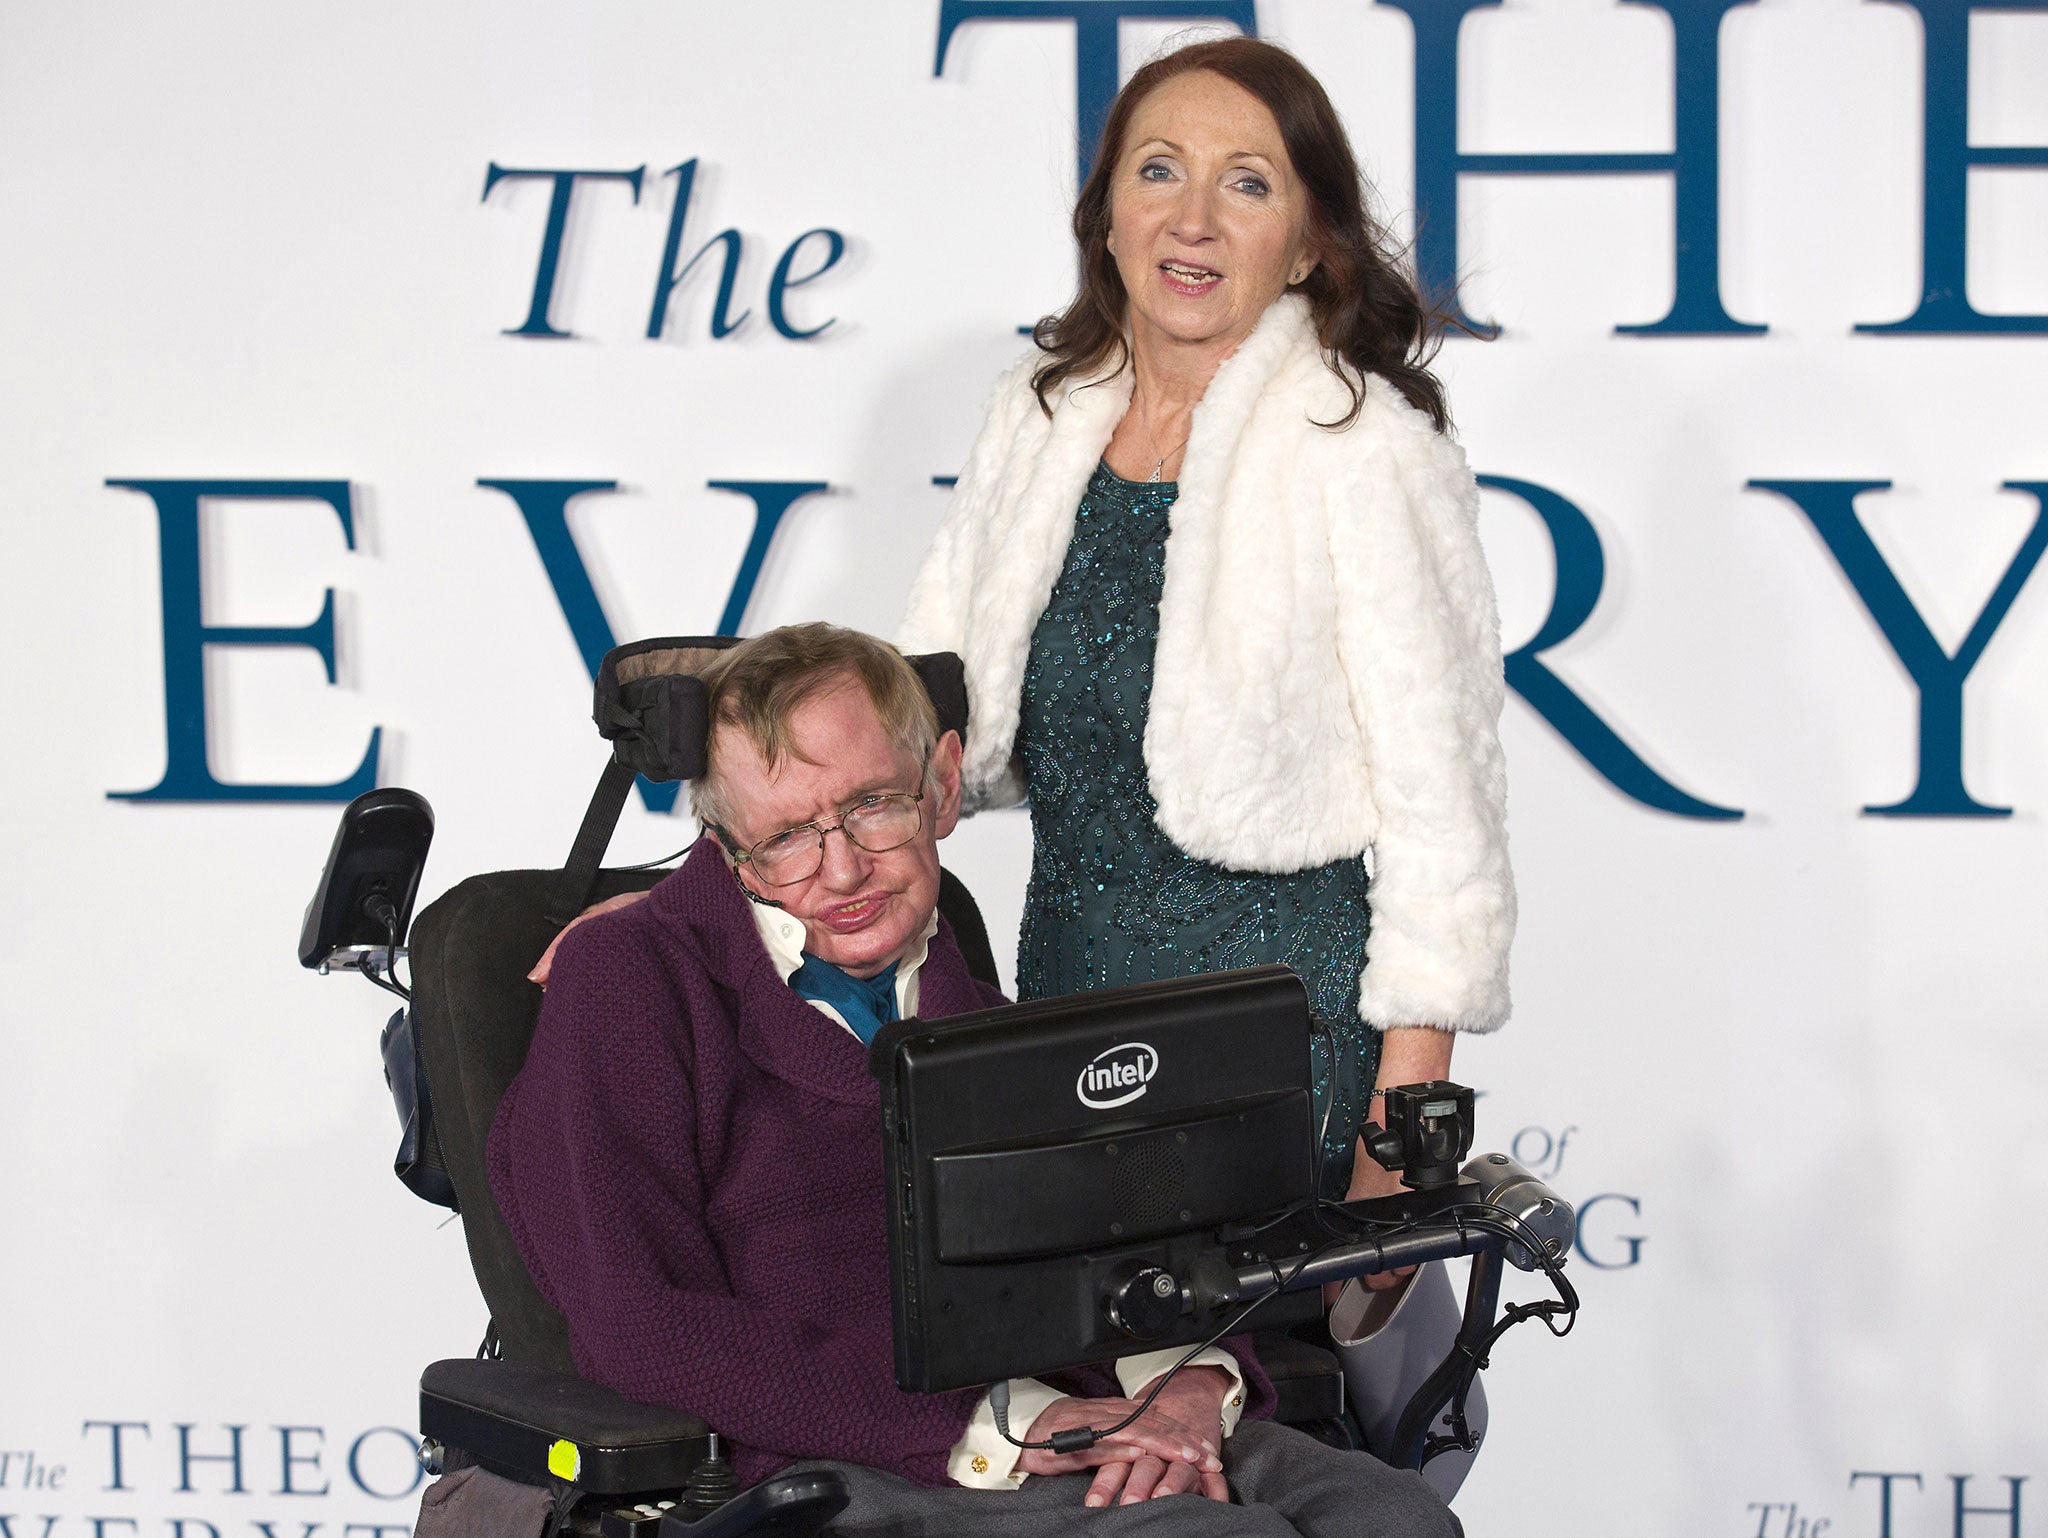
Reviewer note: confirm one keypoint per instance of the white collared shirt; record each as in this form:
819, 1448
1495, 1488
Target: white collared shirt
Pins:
983, 1458
783, 935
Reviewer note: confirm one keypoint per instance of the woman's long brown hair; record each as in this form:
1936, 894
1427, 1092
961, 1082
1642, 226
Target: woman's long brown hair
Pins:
1368, 311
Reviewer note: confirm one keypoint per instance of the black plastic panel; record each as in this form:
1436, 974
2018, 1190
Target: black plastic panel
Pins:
999, 1129
1039, 1199
512, 1417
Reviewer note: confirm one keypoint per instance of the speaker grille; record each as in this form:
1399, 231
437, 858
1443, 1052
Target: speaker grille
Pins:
1149, 1179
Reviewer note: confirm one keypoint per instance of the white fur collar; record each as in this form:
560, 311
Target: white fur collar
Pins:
1029, 538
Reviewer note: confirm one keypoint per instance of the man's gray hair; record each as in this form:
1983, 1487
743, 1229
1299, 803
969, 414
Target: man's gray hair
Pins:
758, 685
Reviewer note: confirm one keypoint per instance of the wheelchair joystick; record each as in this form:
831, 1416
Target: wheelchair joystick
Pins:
711, 1483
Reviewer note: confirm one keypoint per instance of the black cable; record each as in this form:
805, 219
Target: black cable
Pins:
1477, 1357
1505, 1226
389, 987
1321, 1027
378, 906
657, 864
391, 957
1454, 1382
1081, 1438
1517, 1231
1315, 1201
1450, 1385
1286, 1214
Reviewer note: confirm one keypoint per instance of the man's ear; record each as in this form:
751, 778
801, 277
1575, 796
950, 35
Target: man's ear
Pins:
946, 779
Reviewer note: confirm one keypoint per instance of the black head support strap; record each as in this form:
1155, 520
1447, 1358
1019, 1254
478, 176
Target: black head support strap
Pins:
650, 703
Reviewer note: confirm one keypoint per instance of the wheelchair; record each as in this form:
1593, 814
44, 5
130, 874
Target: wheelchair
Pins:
517, 1408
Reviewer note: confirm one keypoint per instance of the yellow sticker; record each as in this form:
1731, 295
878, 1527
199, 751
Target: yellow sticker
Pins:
565, 1461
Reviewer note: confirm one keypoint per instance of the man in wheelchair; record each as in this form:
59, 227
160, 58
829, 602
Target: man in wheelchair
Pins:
688, 1161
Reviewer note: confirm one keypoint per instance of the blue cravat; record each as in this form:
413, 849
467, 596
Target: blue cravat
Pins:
865, 1003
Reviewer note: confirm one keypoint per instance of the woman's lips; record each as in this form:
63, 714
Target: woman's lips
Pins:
851, 917
1187, 278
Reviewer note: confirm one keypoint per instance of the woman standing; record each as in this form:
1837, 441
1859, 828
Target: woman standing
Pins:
1214, 571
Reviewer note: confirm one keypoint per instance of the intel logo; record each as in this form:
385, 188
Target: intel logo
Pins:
1117, 1076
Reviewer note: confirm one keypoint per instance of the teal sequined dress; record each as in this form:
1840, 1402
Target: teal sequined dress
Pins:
1112, 899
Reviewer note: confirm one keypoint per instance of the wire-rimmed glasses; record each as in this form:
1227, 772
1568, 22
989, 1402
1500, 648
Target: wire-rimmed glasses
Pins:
877, 823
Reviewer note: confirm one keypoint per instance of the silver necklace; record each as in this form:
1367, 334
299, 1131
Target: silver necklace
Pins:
1158, 474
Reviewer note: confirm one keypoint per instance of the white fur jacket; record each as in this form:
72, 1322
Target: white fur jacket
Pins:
1328, 677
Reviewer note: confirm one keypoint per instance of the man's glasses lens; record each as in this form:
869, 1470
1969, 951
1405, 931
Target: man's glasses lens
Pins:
876, 824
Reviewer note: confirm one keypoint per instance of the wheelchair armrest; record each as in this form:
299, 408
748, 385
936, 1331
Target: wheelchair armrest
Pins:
530, 1422
1306, 1378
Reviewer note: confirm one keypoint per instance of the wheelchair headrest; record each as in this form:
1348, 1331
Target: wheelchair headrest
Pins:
652, 707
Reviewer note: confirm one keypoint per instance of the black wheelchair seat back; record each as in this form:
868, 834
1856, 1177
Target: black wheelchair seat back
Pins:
473, 1016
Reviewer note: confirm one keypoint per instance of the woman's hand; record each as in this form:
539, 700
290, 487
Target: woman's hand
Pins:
1174, 1447
546, 964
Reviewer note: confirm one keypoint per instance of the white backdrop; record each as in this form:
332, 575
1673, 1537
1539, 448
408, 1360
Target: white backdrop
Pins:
1801, 1053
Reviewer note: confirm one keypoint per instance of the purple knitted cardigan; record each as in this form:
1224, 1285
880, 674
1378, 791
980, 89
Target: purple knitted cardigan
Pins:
691, 1165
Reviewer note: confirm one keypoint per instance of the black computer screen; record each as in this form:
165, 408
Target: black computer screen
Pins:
1038, 1150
